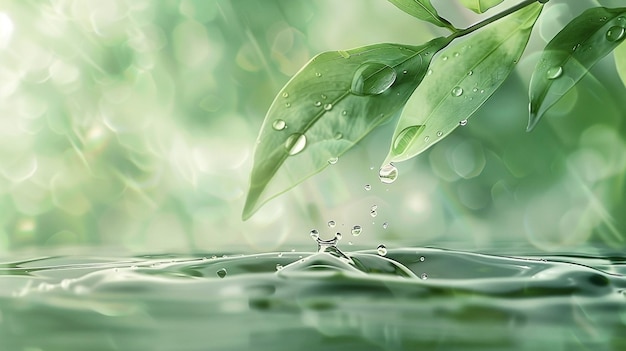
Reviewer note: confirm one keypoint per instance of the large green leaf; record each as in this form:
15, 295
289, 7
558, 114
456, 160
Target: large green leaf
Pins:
459, 82
480, 6
571, 53
423, 10
326, 108
620, 61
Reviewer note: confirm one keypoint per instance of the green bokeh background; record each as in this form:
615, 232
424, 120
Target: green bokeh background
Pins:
130, 124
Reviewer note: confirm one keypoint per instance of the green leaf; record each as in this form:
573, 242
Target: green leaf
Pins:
620, 61
461, 79
571, 53
424, 10
326, 108
480, 6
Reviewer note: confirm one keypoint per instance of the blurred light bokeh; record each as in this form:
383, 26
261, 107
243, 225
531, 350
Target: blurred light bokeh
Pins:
131, 124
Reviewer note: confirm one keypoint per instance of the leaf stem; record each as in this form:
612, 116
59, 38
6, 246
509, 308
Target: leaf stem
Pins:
489, 20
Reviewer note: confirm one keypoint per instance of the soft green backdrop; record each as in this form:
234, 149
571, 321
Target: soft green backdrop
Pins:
131, 124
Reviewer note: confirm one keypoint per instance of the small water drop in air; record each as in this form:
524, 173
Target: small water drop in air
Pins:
314, 234
554, 72
457, 91
279, 124
385, 225
221, 272
615, 33
328, 107
368, 187
356, 230
388, 173
295, 143
331, 224
381, 250
338, 135
373, 213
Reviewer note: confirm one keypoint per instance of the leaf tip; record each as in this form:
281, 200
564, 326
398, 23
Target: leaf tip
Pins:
533, 119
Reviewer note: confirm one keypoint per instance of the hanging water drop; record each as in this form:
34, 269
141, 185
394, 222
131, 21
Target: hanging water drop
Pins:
221, 272
457, 91
331, 224
615, 33
554, 72
314, 234
356, 230
295, 143
372, 78
279, 124
381, 250
388, 173
328, 107
463, 123
333, 160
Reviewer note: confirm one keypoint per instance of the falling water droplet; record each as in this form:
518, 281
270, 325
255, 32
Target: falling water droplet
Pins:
328, 107
368, 187
331, 224
372, 78
333, 160
373, 213
356, 230
314, 234
285, 94
385, 225
381, 250
424, 276
388, 173
463, 123
457, 91
615, 33
221, 272
554, 72
279, 124
295, 143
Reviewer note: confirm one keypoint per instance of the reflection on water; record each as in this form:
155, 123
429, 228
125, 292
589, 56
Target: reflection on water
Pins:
324, 301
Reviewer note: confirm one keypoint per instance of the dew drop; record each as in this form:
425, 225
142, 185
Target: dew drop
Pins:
385, 225
314, 234
457, 91
344, 112
279, 266
554, 72
318, 103
331, 224
426, 139
372, 78
323, 97
287, 104
279, 124
405, 72
456, 54
221, 272
482, 91
439, 133
338, 135
333, 160
295, 143
430, 71
285, 94
356, 230
470, 73
475, 90
388, 173
328, 107
381, 250
615, 33
424, 276
463, 123
422, 258
368, 187
445, 58
318, 74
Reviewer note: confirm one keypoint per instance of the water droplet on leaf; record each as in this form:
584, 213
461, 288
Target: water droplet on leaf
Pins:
338, 135
328, 107
457, 91
295, 143
422, 258
463, 123
424, 276
426, 139
287, 104
338, 236
554, 72
388, 173
356, 230
439, 133
318, 74
221, 273
344, 112
405, 72
470, 73
445, 58
285, 94
318, 103
279, 266
372, 78
333, 160
279, 124
381, 250
615, 33
373, 213
430, 71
